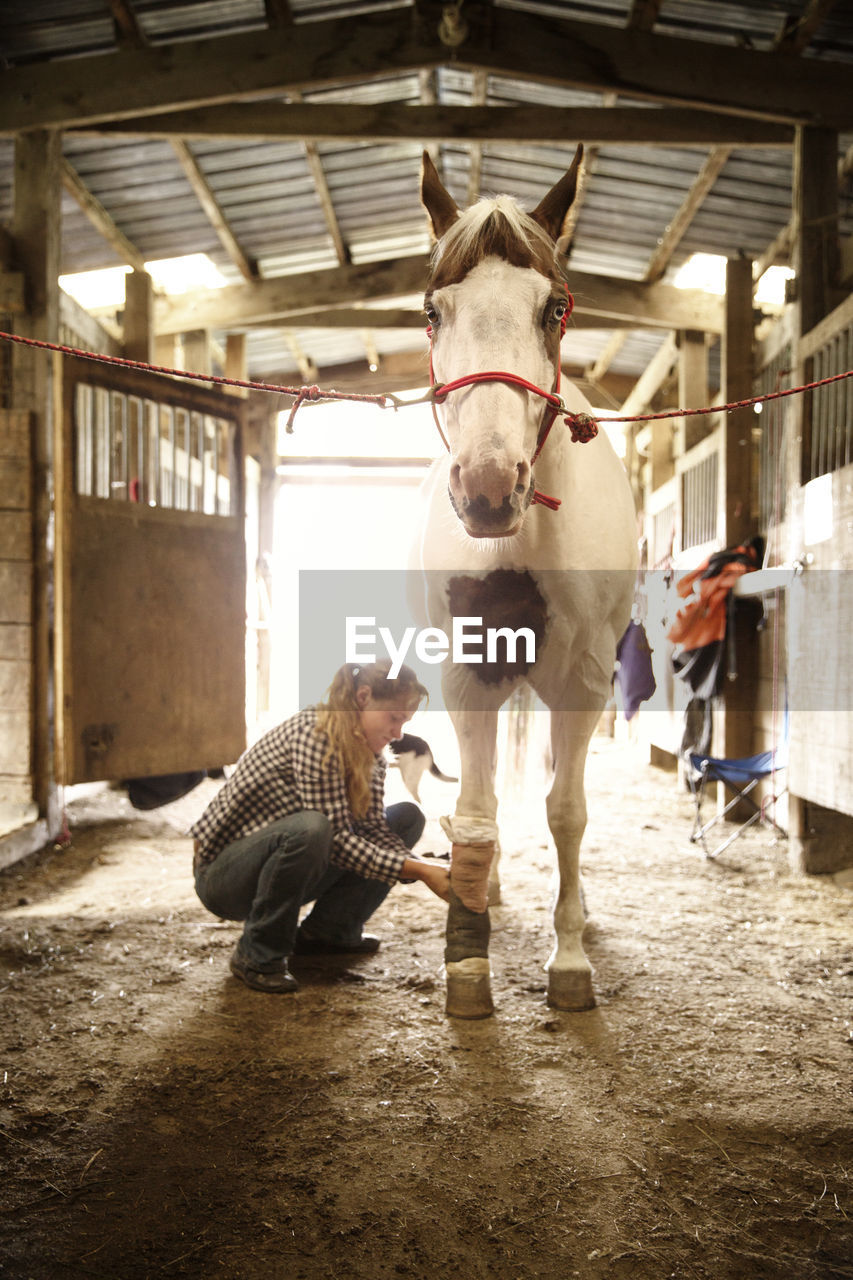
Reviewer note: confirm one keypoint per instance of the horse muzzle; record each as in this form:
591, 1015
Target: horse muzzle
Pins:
491, 501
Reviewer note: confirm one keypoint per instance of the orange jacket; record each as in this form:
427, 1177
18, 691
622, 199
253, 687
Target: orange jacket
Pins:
703, 619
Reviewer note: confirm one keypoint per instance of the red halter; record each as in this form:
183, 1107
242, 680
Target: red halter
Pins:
582, 426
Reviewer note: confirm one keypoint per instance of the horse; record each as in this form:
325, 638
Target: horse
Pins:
549, 554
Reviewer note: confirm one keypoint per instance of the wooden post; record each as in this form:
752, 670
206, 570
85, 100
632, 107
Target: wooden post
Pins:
236, 362
36, 231
197, 351
737, 382
816, 249
139, 316
692, 387
818, 836
734, 723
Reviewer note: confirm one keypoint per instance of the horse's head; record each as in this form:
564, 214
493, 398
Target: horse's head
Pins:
496, 302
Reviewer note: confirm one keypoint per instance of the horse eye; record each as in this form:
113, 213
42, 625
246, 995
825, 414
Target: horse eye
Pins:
431, 313
560, 309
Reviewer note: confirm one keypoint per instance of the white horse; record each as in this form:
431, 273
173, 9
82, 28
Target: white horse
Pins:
556, 562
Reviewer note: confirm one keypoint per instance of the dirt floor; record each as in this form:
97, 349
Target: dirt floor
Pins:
159, 1119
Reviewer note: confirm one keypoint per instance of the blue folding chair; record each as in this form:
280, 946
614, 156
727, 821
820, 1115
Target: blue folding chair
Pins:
740, 778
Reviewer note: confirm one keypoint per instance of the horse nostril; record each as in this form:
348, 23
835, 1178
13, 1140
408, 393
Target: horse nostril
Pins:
523, 484
455, 475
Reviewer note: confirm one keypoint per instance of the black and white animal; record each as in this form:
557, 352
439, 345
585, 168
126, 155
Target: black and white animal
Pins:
413, 758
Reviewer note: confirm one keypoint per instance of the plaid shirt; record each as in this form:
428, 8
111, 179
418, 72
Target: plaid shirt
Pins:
283, 773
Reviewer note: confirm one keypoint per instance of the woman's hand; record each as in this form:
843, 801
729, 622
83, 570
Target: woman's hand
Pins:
435, 876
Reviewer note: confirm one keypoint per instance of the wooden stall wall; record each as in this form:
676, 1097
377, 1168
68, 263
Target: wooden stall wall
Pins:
151, 594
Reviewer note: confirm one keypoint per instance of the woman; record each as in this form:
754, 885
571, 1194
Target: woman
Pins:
302, 819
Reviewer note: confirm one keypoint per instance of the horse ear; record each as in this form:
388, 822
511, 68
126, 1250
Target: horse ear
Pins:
551, 212
439, 204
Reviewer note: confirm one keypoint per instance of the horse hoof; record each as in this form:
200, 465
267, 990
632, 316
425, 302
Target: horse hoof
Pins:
571, 990
469, 993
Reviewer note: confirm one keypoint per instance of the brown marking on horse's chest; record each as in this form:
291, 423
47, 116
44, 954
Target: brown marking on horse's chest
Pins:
503, 598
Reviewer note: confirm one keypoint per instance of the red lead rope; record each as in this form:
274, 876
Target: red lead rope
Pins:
582, 426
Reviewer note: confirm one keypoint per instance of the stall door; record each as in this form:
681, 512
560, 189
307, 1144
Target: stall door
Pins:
150, 576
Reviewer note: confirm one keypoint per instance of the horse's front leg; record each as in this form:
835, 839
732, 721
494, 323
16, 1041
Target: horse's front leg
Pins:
569, 970
473, 833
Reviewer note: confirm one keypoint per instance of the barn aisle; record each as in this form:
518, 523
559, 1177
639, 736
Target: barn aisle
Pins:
157, 1119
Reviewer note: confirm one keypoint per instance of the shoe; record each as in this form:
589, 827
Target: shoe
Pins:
305, 945
276, 981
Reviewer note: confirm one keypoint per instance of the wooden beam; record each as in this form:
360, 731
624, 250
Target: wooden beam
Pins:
406, 370
651, 306
128, 30
399, 318
643, 14
522, 125
324, 196
797, 31
283, 296
663, 68
99, 218
247, 266
596, 371
674, 233
278, 13
656, 373
308, 371
254, 64
670, 240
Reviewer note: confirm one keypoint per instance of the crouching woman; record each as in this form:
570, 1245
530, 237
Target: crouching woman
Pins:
302, 819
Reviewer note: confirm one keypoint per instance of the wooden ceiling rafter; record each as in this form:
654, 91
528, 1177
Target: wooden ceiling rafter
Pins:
667, 246
100, 219
308, 370
130, 34
324, 197
792, 38
796, 32
404, 370
638, 64
246, 265
433, 123
281, 298
126, 23
769, 114
642, 16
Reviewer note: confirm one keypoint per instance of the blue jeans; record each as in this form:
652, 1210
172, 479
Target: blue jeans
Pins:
267, 876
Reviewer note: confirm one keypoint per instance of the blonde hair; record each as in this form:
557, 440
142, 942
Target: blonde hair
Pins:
339, 720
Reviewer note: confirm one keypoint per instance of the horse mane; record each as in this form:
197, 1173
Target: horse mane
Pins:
498, 227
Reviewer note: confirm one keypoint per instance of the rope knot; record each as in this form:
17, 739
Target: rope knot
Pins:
582, 426
305, 393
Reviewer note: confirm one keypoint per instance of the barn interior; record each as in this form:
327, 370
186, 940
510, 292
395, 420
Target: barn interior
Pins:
229, 189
